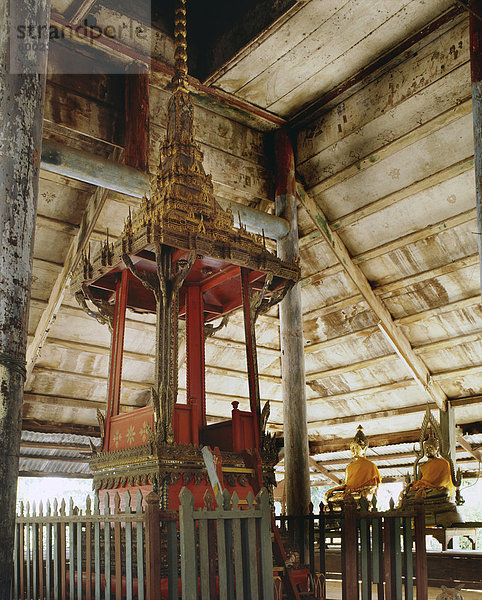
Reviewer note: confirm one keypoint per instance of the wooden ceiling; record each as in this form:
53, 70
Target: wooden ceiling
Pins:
378, 98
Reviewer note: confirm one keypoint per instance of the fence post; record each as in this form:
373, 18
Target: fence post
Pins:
350, 541
153, 547
420, 550
117, 550
188, 548
266, 545
387, 559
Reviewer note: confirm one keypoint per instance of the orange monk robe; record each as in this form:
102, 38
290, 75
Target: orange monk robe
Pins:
435, 473
360, 473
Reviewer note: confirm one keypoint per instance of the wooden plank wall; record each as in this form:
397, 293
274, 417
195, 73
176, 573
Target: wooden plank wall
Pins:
392, 169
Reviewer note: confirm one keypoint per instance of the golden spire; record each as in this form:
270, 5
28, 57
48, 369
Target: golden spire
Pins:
180, 38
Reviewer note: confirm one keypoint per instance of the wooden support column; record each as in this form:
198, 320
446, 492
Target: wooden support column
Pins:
137, 117
449, 434
196, 394
476, 71
251, 357
22, 93
116, 351
292, 348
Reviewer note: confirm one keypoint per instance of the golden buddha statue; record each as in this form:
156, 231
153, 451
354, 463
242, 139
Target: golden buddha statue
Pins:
434, 486
436, 475
362, 477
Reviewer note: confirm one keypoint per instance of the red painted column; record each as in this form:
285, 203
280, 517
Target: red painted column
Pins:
117, 348
251, 358
196, 395
137, 117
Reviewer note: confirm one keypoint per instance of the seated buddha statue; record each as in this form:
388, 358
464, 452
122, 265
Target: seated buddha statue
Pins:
434, 487
435, 474
362, 477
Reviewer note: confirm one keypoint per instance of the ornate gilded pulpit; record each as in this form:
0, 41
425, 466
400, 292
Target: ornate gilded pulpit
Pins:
180, 256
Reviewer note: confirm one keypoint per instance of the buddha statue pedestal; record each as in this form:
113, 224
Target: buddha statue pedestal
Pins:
362, 477
435, 487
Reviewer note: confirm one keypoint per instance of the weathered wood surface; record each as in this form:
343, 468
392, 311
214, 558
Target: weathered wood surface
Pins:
22, 92
315, 56
476, 79
81, 547
291, 341
410, 231
242, 542
415, 92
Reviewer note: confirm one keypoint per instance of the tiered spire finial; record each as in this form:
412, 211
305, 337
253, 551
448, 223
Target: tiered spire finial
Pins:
180, 53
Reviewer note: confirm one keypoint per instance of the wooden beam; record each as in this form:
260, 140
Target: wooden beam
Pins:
403, 466
321, 469
409, 138
315, 236
410, 190
463, 443
82, 403
381, 289
440, 310
353, 335
370, 362
79, 12
66, 227
31, 473
375, 457
394, 412
324, 445
94, 404
38, 426
363, 364
56, 457
396, 337
55, 446
371, 416
363, 392
456, 265
462, 372
475, 35
215, 98
136, 385
74, 254
406, 320
475, 336
382, 64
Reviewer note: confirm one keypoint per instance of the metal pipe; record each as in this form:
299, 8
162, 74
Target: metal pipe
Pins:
80, 165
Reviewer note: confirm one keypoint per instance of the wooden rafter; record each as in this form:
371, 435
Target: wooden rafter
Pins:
322, 445
396, 337
74, 254
375, 457
383, 414
398, 284
80, 11
55, 446
314, 237
463, 443
405, 140
321, 469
